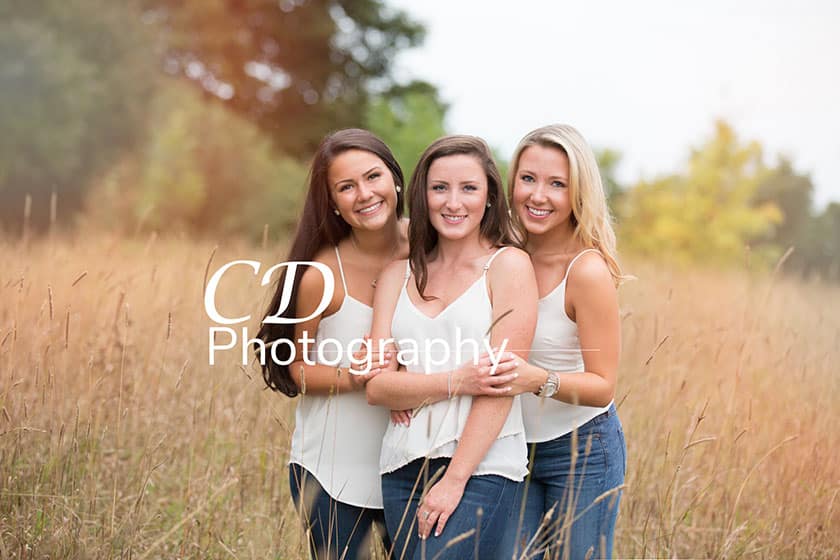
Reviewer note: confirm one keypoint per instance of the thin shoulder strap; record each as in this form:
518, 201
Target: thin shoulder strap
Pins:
493, 256
569, 268
341, 271
407, 273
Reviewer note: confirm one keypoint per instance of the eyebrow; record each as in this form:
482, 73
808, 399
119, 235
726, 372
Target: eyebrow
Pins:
368, 172
467, 182
564, 179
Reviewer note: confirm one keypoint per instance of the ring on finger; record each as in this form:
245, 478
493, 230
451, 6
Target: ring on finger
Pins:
426, 514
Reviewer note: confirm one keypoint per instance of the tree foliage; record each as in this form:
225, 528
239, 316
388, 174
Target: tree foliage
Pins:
408, 118
296, 68
75, 84
202, 169
707, 213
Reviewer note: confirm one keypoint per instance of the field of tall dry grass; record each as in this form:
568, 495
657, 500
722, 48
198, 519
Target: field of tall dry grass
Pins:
118, 440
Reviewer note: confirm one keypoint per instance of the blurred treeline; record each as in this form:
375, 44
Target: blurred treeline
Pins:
201, 116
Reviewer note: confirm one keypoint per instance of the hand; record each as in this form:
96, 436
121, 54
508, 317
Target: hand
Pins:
529, 380
437, 506
401, 417
358, 382
362, 360
472, 379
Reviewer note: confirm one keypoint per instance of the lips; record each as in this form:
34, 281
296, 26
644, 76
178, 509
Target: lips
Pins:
454, 218
538, 213
372, 209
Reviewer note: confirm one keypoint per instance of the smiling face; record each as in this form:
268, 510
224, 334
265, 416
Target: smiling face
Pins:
362, 189
540, 191
456, 194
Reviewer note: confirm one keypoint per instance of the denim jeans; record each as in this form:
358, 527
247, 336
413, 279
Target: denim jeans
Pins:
567, 474
336, 530
491, 495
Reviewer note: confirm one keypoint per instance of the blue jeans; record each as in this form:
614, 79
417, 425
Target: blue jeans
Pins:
334, 526
491, 494
570, 485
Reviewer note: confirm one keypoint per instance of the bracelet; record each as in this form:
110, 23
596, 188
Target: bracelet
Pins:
449, 385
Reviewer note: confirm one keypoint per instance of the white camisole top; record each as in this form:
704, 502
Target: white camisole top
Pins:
556, 348
436, 428
338, 438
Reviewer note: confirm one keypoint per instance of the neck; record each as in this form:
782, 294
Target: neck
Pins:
460, 250
378, 242
558, 240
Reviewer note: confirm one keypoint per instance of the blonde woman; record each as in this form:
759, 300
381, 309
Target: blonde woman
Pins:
568, 382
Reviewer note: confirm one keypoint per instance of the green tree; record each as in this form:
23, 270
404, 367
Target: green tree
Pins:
296, 68
76, 82
820, 247
408, 118
707, 213
608, 161
202, 169
792, 194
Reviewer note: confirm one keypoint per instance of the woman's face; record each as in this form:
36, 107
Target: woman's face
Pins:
456, 193
362, 189
540, 190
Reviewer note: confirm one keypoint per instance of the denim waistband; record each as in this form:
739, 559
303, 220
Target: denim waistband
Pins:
604, 416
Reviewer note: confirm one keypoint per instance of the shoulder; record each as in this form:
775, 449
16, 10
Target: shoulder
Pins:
313, 279
511, 272
388, 286
589, 281
393, 273
511, 259
590, 268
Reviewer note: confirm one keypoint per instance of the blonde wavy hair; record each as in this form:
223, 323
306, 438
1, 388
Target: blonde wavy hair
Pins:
590, 213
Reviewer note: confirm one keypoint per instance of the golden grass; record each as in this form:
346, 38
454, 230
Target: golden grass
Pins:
117, 439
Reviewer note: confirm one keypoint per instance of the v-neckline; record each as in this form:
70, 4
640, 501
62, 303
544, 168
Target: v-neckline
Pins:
448, 306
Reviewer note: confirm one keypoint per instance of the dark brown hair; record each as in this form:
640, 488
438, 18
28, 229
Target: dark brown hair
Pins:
495, 225
319, 227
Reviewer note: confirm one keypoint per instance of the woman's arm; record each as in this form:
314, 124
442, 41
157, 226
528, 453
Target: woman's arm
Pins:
318, 379
591, 292
514, 289
400, 390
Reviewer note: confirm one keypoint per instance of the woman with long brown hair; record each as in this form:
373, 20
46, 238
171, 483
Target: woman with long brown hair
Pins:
351, 224
463, 281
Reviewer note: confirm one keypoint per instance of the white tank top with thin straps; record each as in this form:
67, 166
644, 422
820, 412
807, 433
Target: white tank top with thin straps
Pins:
436, 428
556, 348
338, 438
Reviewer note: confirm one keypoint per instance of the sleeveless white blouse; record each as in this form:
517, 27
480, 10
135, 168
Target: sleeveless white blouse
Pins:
338, 438
556, 348
435, 429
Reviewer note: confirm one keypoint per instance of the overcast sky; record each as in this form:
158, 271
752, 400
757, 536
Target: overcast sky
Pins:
647, 78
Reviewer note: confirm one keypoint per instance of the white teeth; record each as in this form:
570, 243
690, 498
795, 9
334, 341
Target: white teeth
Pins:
452, 218
537, 212
371, 209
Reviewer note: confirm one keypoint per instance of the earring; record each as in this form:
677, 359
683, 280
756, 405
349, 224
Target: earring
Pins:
336, 212
399, 189
489, 205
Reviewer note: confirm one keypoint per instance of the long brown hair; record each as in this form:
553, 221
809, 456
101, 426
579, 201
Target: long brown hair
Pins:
319, 227
495, 223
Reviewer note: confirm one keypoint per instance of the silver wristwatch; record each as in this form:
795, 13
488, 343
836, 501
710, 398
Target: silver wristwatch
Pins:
548, 388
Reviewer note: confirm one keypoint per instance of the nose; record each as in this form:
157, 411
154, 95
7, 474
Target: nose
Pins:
538, 194
453, 201
364, 190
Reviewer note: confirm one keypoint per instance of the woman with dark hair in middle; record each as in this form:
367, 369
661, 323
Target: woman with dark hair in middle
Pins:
463, 281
